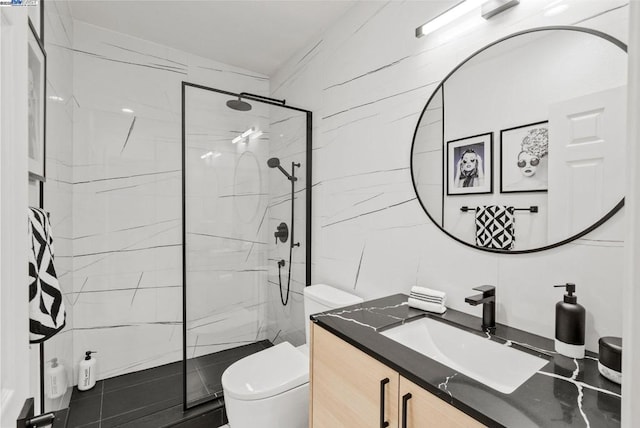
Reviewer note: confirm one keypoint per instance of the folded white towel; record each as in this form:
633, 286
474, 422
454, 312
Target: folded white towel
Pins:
428, 293
438, 308
427, 298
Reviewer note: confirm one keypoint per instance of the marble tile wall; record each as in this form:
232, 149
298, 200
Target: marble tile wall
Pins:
126, 194
226, 206
58, 189
367, 78
288, 143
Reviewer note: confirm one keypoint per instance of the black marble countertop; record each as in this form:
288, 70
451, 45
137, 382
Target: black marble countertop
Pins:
565, 393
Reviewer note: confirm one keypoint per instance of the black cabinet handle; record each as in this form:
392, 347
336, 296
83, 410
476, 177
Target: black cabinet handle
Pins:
383, 383
405, 399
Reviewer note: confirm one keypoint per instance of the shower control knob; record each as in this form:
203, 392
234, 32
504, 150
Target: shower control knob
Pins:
282, 232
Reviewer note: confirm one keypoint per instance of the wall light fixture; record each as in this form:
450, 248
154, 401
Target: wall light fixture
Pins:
244, 135
490, 9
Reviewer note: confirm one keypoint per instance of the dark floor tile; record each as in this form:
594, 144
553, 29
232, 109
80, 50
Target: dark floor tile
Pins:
162, 418
153, 398
79, 395
233, 354
265, 344
142, 376
61, 418
164, 390
224, 416
208, 420
175, 415
212, 375
136, 414
91, 425
196, 390
205, 399
84, 411
212, 366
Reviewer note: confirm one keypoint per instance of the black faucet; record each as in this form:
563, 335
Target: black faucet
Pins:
487, 297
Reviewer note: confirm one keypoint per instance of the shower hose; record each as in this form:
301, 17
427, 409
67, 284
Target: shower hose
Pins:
285, 299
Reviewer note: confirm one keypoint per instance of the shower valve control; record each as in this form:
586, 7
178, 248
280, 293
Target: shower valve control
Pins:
282, 233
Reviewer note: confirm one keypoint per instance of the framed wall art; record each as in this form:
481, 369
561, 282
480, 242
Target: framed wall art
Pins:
37, 69
469, 166
524, 158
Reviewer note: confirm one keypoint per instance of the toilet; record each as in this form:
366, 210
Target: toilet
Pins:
270, 389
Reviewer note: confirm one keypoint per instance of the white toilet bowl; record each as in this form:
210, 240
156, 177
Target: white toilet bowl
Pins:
270, 389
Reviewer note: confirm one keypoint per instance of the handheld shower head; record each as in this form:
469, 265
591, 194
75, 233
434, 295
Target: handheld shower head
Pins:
275, 163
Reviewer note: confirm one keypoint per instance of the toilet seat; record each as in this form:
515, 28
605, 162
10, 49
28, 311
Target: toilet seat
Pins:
266, 373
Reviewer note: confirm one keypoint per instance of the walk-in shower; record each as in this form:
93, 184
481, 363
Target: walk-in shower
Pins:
233, 201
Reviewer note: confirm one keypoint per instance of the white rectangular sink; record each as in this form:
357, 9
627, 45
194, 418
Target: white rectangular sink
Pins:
496, 365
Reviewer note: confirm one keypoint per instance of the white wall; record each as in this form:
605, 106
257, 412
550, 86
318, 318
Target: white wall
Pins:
127, 194
58, 187
367, 79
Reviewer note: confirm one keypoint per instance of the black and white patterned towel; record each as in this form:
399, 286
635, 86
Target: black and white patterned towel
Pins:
495, 227
47, 314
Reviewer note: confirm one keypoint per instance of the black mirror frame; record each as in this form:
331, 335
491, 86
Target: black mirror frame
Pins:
594, 226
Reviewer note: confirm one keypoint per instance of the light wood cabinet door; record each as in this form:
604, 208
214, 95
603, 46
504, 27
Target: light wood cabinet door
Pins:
421, 409
347, 386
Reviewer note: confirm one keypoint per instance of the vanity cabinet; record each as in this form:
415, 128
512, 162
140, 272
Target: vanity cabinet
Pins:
348, 387
420, 408
351, 389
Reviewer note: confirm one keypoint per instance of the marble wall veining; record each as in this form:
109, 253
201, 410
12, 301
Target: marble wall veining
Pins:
226, 235
127, 193
58, 189
288, 143
367, 78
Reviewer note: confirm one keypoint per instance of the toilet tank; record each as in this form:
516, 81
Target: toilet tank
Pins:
322, 297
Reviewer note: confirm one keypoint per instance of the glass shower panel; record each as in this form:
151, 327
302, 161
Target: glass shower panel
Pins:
288, 143
226, 236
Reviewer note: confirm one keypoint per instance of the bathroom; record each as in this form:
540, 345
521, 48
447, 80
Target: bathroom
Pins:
114, 107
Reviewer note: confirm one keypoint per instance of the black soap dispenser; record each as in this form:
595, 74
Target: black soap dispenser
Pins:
570, 324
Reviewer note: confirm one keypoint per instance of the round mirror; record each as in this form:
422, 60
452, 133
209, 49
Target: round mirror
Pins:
521, 148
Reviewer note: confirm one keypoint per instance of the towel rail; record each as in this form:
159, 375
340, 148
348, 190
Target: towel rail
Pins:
532, 209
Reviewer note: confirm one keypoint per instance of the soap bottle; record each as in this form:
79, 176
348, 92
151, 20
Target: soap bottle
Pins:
570, 324
56, 379
87, 372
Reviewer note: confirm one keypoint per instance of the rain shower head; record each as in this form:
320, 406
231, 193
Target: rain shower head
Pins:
239, 105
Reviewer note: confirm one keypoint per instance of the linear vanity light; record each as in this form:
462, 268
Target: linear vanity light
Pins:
127, 110
492, 8
211, 155
489, 9
245, 134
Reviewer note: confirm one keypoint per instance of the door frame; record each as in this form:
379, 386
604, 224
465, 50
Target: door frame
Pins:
14, 312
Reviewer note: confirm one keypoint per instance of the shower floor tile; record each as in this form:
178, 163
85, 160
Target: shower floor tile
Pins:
210, 368
153, 398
